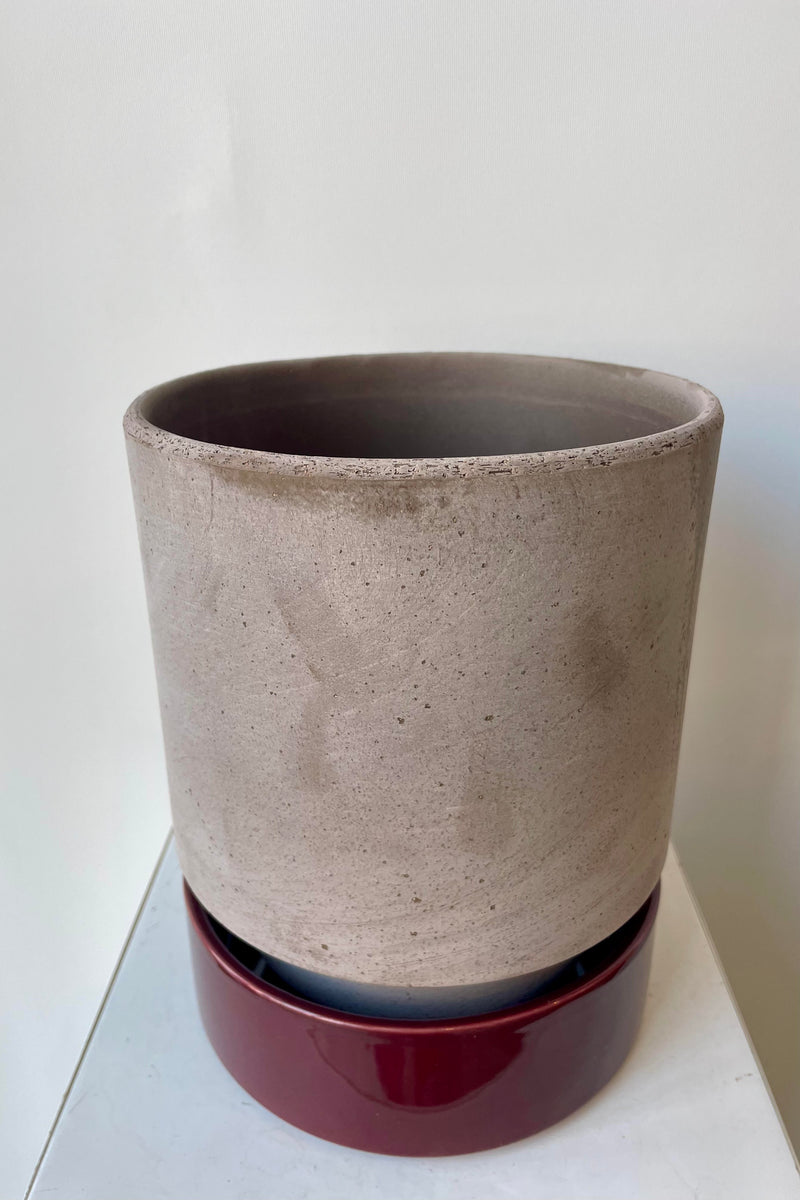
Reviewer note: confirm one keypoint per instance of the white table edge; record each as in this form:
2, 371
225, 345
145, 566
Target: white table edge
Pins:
100, 1010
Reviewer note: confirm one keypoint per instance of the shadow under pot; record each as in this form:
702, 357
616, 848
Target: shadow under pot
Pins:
422, 626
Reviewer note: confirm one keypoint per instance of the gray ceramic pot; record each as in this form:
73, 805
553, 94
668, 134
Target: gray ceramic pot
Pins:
422, 628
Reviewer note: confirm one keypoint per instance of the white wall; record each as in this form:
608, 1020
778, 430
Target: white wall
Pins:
191, 184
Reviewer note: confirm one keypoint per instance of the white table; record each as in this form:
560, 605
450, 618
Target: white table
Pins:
152, 1114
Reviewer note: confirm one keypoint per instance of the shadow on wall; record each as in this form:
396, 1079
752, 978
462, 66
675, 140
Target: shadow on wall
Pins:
737, 818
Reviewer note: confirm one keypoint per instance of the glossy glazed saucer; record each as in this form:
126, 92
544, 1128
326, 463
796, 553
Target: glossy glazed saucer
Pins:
431, 1087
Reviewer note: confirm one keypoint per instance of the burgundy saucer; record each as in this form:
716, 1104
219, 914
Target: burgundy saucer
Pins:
425, 1087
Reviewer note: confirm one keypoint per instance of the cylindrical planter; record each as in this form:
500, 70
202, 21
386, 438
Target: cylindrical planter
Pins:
422, 628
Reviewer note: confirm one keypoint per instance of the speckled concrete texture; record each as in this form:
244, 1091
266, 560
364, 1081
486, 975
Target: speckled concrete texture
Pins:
422, 677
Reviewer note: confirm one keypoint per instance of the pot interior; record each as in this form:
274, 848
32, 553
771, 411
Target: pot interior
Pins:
397, 406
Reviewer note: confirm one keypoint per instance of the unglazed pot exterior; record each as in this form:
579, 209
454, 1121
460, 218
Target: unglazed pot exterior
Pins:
422, 627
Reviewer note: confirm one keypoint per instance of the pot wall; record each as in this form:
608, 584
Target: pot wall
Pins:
423, 729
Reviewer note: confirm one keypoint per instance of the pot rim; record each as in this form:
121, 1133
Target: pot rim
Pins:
527, 1011
707, 420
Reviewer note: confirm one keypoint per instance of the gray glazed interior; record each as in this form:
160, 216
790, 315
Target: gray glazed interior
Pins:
405, 407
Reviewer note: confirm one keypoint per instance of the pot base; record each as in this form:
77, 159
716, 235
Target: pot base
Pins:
402, 1003
431, 1087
